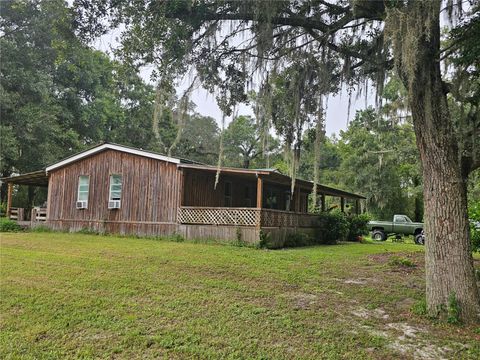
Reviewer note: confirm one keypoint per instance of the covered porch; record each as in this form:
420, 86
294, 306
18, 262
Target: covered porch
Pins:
34, 214
253, 198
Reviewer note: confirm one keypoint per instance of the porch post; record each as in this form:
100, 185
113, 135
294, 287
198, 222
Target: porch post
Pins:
342, 203
33, 216
259, 192
9, 198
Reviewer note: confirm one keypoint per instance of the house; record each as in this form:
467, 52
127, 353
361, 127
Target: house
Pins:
118, 189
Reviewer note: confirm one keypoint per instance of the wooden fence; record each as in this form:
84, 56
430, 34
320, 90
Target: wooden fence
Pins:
244, 217
37, 214
17, 214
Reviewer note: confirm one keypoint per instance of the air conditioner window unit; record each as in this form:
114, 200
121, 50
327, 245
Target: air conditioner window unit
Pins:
114, 204
82, 204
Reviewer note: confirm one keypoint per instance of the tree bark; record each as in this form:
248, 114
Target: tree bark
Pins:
448, 257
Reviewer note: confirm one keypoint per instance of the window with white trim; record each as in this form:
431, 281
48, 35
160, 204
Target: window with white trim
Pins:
115, 187
83, 185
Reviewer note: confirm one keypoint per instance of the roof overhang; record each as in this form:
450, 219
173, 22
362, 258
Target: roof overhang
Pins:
225, 170
35, 178
108, 146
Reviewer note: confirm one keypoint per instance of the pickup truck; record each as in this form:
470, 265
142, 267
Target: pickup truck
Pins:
401, 225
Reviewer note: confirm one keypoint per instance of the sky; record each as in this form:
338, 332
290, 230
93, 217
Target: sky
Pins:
337, 108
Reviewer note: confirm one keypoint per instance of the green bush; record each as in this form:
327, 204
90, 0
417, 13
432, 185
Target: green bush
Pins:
332, 227
474, 216
453, 309
401, 261
298, 239
7, 225
41, 229
358, 226
3, 209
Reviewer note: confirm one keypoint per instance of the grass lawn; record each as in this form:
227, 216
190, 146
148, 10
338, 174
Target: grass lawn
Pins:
88, 296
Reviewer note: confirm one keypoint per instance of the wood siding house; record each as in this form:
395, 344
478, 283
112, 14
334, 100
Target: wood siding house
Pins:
118, 189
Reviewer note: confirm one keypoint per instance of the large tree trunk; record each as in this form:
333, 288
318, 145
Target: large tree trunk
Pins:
448, 257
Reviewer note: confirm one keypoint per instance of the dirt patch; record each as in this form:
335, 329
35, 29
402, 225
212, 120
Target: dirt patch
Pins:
420, 351
404, 339
305, 301
405, 305
367, 314
384, 258
406, 330
401, 262
356, 281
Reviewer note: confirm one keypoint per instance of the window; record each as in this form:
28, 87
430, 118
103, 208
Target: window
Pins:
115, 187
83, 185
228, 193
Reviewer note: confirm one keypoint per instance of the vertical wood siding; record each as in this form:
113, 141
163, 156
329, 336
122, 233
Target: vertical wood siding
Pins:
151, 190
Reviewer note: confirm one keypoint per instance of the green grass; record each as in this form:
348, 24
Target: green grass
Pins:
88, 296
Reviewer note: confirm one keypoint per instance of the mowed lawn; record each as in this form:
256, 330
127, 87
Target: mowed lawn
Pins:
88, 296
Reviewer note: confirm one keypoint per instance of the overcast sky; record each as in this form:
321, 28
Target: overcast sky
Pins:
337, 109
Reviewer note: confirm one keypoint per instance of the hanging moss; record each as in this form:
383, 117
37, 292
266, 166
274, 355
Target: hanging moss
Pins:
162, 94
181, 119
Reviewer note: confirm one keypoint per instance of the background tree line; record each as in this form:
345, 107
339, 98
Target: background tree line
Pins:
60, 96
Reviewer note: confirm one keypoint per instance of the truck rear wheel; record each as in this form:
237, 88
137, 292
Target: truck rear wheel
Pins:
379, 235
420, 239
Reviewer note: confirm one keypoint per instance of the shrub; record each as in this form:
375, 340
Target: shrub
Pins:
298, 239
7, 225
41, 229
453, 309
358, 226
332, 227
474, 216
3, 209
420, 308
401, 261
177, 238
88, 231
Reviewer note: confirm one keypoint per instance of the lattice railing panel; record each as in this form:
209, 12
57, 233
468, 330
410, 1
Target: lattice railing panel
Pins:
219, 216
244, 217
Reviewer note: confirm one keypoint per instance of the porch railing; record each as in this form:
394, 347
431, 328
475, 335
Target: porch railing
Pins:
244, 217
37, 214
218, 216
279, 218
17, 214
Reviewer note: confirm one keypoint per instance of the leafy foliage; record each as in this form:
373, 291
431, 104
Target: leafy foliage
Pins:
474, 216
7, 225
357, 226
333, 226
243, 145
